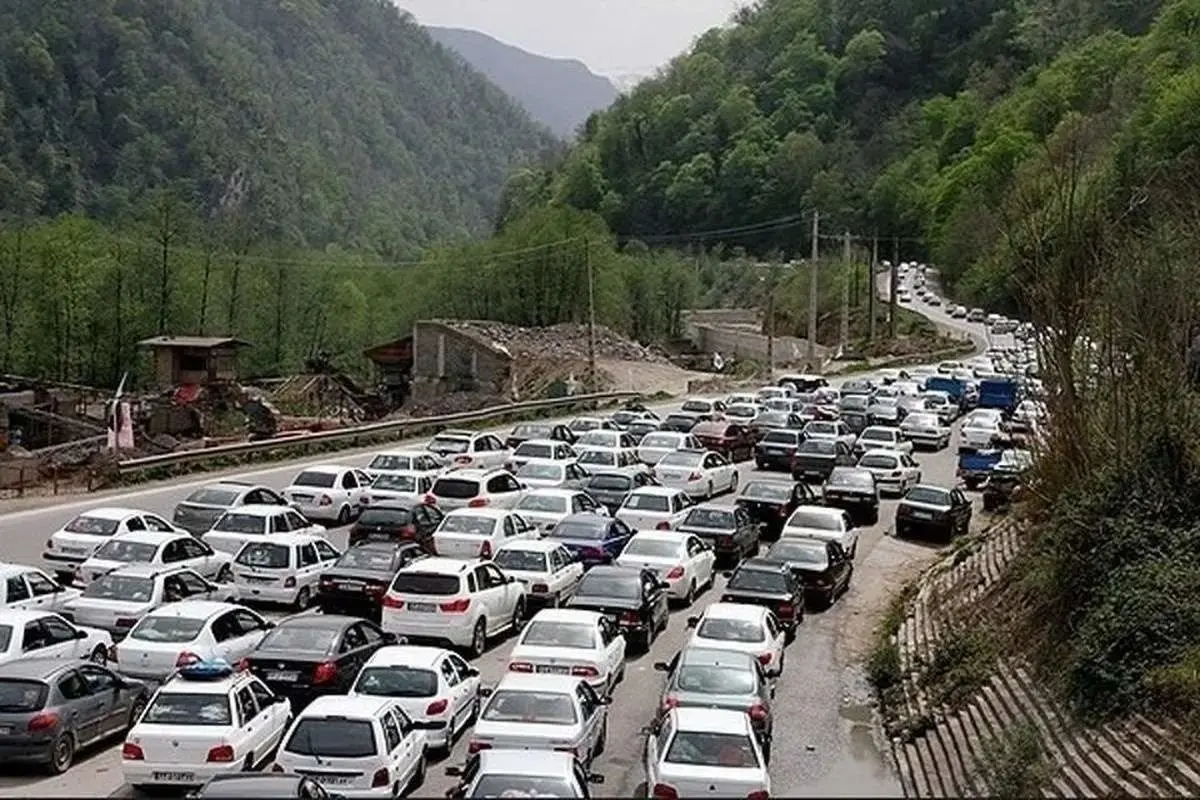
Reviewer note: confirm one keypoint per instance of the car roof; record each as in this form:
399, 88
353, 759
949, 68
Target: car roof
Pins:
524, 762
572, 615
331, 469
660, 491
350, 706
659, 536
147, 537
440, 565
193, 609
552, 492
737, 610
531, 545
111, 512
716, 656
148, 570
548, 442
258, 509
406, 655
526, 682
711, 720
34, 668
488, 513
14, 616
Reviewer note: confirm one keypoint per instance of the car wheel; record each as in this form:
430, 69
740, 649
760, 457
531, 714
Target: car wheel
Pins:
62, 754
135, 710
517, 617
225, 574
601, 740
733, 483
418, 777
479, 638
343, 517
99, 655
709, 494
690, 597
303, 598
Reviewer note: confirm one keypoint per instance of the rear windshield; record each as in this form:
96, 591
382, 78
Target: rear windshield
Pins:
681, 458
121, 587
498, 785
179, 708
541, 502
618, 483
449, 444
317, 480
96, 526
533, 469
264, 555
703, 749
742, 411
605, 458
855, 402
879, 461
713, 679
168, 630
546, 633
597, 584
921, 494
385, 463
814, 554
599, 439
425, 583
819, 446
468, 525
397, 681
731, 630
577, 530
395, 483
647, 502
333, 738
455, 488
762, 490
126, 552
532, 431
855, 478
718, 518
878, 435
232, 522
18, 695
369, 558
697, 406
299, 639
213, 497
652, 548
547, 708
661, 440
817, 520
821, 428
531, 450
385, 516
758, 580
781, 437
520, 560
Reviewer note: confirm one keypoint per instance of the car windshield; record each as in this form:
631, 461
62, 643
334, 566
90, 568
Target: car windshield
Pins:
449, 444
732, 630
617, 483
300, 639
94, 526
126, 552
396, 681
544, 708
807, 553
821, 429
716, 679
851, 479
372, 559
468, 525
573, 635
17, 696
759, 580
181, 708
496, 785
653, 548
648, 502
213, 497
879, 461
742, 411
382, 515
661, 440
927, 494
425, 583
579, 530
781, 437
521, 560
716, 518
599, 584
823, 447
696, 406
541, 502
233, 522
875, 435
395, 483
681, 458
389, 462
264, 555
127, 588
167, 630
317, 480
532, 431
773, 491
534, 450
332, 738
921, 421
816, 519
599, 439
532, 469
605, 458
455, 488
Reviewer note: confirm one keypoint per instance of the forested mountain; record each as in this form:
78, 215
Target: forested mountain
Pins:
321, 121
558, 92
910, 118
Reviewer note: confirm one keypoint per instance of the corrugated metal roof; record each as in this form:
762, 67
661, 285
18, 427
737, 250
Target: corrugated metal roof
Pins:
201, 342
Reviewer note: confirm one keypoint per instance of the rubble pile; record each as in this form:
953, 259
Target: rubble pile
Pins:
453, 403
567, 341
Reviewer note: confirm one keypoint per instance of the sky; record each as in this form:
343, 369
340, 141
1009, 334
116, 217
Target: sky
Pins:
613, 37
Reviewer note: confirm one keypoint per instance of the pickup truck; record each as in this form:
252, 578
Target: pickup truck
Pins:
951, 386
1001, 394
975, 468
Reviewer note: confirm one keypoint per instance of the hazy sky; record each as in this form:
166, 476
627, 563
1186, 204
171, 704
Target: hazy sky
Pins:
613, 37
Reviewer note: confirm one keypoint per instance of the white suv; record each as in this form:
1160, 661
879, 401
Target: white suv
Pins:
475, 488
332, 492
449, 600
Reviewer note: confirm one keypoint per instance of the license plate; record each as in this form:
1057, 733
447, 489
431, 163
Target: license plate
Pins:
175, 777
302, 498
812, 473
922, 515
351, 586
73, 550
423, 607
283, 675
552, 670
6, 730
334, 780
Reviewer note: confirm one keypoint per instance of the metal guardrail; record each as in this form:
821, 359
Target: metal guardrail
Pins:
373, 429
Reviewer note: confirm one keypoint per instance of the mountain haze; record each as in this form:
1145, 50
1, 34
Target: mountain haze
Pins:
560, 93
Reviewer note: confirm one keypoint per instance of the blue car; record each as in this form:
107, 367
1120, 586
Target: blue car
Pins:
592, 538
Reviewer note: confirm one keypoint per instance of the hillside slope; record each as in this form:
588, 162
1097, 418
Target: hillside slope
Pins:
331, 120
560, 93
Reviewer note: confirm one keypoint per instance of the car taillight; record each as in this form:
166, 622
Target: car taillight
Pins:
585, 672
458, 606
670, 701
663, 791
485, 550
764, 658
695, 476
675, 574
540, 588
475, 746
429, 500
185, 658
125, 622
631, 617
221, 754
593, 552
325, 500
437, 707
132, 752
42, 722
289, 582
376, 589
725, 540
520, 666
786, 611
112, 653
663, 526
381, 778
325, 584
242, 665
478, 502
325, 672
758, 712
392, 602
408, 532
761, 794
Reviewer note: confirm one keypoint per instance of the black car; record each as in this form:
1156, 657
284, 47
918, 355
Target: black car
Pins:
760, 582
770, 503
635, 598
925, 509
356, 583
539, 430
854, 490
610, 489
823, 568
852, 409
816, 458
861, 386
262, 785
776, 421
640, 427
681, 422
777, 449
394, 521
731, 532
310, 655
636, 413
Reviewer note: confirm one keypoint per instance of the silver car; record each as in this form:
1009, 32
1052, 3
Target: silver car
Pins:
117, 601
542, 712
197, 513
712, 678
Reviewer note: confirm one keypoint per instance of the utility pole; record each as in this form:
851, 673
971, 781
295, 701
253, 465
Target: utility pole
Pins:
587, 255
872, 288
845, 328
771, 333
894, 287
812, 290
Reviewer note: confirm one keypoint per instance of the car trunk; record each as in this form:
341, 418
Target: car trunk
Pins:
460, 545
354, 585
79, 546
641, 520
260, 578
659, 565
549, 660
196, 519
109, 615
178, 745
816, 465
150, 659
531, 735
925, 513
285, 672
694, 780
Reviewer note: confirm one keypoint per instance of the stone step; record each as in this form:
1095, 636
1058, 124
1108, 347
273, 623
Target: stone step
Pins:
1179, 743
1150, 760
966, 752
922, 768
946, 760
906, 768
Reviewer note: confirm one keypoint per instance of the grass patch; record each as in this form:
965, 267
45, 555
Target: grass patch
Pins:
1014, 765
883, 666
960, 664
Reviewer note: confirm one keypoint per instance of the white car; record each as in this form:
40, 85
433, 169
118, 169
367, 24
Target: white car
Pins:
402, 487
545, 508
540, 450
568, 641
702, 406
698, 473
657, 444
746, 628
980, 428
30, 589
926, 430
551, 475
744, 413
330, 493
254, 524
606, 440
357, 746
70, 545
461, 603
420, 462
706, 752
608, 459
429, 683
521, 773
152, 547
284, 569
882, 437
680, 559
827, 524
178, 634
542, 712
116, 601
894, 472
939, 403
740, 399
41, 634
654, 508
773, 393
200, 509
207, 720
479, 532
547, 570
475, 488
834, 431
469, 449
581, 425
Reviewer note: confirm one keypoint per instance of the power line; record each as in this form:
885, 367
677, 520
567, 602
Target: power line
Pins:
781, 223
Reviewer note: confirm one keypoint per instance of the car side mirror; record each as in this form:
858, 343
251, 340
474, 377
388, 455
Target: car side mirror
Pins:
485, 691
80, 633
471, 672
595, 778
280, 699
727, 574
268, 625
662, 666
664, 584
693, 622
389, 638
453, 772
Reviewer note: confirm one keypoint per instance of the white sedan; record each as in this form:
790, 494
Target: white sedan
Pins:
750, 629
926, 430
882, 437
153, 547
542, 712
38, 634
697, 473
682, 560
479, 532
330, 493
567, 641
178, 634
547, 570
654, 507
654, 446
894, 472
706, 752
826, 524
545, 508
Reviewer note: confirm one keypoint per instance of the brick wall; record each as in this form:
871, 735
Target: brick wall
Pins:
446, 359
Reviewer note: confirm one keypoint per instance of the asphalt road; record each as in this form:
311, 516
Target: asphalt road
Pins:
825, 737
